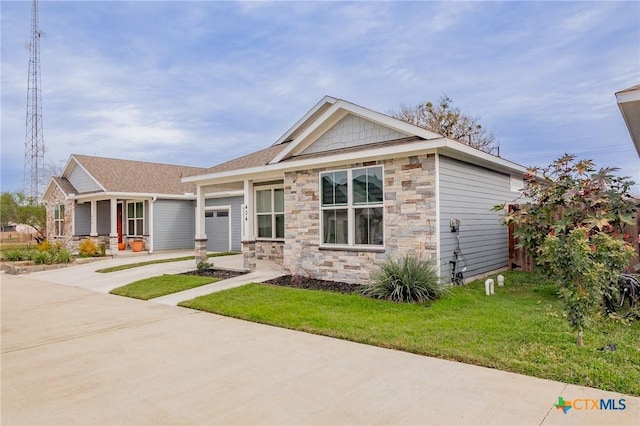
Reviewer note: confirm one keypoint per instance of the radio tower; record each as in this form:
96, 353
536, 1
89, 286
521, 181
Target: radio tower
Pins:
34, 141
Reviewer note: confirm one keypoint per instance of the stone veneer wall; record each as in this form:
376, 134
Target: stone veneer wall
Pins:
57, 198
409, 218
270, 250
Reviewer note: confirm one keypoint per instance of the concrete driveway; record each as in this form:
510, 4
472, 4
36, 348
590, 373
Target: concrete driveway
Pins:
75, 356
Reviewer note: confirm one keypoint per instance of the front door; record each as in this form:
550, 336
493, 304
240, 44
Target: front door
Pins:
119, 224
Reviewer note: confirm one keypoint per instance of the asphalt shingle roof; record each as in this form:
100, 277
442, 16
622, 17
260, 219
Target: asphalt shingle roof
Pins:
117, 175
255, 159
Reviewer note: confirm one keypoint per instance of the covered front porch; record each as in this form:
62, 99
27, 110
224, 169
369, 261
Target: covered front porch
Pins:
262, 222
117, 223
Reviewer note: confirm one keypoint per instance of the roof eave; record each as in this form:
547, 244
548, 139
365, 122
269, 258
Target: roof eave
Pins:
629, 105
453, 148
131, 196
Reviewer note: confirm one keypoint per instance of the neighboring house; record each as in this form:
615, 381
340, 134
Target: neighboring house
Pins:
347, 187
629, 104
114, 201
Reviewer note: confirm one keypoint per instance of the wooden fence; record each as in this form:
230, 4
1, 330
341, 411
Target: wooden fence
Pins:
520, 259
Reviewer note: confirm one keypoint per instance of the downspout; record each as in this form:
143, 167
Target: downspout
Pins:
438, 241
151, 230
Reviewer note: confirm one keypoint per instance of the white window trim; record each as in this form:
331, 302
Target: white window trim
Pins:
273, 213
58, 224
351, 208
126, 214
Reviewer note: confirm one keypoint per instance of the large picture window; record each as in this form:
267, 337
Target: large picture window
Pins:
135, 219
270, 213
352, 207
58, 220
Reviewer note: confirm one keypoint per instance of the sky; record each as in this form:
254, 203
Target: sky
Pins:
200, 83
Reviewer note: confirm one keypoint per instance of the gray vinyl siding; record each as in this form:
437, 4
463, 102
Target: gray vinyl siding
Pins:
468, 192
82, 181
173, 224
82, 219
235, 215
104, 217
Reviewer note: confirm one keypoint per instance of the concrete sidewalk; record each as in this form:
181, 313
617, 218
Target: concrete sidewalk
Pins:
85, 275
76, 356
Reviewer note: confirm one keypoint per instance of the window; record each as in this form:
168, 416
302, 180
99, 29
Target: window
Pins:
270, 213
135, 218
352, 207
58, 219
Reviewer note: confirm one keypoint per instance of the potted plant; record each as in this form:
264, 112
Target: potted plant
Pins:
137, 245
122, 246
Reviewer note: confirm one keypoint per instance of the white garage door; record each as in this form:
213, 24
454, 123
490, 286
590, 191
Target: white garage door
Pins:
217, 229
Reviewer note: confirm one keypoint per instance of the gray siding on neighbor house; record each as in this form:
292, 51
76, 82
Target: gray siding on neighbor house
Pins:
468, 192
82, 219
82, 181
104, 217
173, 224
235, 215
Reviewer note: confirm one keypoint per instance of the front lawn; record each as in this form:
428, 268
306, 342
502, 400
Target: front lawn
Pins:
520, 329
153, 287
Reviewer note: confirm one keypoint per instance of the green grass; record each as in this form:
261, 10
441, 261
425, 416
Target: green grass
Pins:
150, 288
520, 329
153, 262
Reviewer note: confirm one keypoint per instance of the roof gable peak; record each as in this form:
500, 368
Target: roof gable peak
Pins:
329, 111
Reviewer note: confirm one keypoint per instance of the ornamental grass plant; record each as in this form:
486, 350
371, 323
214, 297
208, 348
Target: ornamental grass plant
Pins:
408, 279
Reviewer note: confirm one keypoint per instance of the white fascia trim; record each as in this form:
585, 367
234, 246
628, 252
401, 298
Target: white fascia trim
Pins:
628, 96
223, 194
325, 100
67, 166
89, 174
338, 111
129, 196
46, 190
331, 116
471, 155
452, 148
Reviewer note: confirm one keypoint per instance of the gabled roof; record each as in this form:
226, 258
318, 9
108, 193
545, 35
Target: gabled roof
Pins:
292, 150
64, 185
327, 113
111, 175
629, 104
258, 158
116, 175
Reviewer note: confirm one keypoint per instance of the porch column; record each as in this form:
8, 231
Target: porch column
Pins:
248, 217
249, 237
113, 234
201, 236
94, 218
150, 240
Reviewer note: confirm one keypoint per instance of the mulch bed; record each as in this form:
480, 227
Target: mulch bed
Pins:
298, 281
222, 274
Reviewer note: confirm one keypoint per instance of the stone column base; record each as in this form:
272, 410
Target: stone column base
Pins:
201, 251
113, 245
249, 255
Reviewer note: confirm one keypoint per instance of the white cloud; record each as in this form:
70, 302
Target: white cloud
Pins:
202, 82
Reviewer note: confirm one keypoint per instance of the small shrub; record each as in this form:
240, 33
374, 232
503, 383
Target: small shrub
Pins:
406, 279
44, 246
42, 258
88, 248
62, 256
204, 266
15, 255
